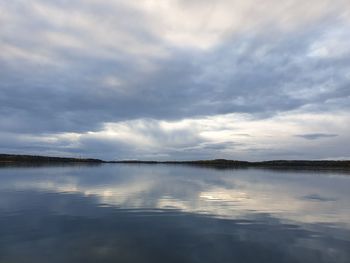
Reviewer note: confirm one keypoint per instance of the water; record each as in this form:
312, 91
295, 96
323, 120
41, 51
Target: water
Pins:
169, 213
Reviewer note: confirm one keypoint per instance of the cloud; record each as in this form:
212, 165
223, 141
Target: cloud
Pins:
245, 76
77, 67
316, 197
217, 136
315, 136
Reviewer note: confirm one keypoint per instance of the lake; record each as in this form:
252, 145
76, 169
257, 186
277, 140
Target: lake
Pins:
173, 213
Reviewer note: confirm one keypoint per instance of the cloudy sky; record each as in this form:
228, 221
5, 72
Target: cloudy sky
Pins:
175, 79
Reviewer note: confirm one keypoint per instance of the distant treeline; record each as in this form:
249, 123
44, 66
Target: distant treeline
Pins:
12, 158
223, 163
217, 163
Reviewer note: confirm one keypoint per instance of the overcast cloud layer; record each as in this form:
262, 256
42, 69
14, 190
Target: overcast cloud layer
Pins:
176, 79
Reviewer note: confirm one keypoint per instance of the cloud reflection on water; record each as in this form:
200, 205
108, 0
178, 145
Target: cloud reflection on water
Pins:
222, 193
172, 214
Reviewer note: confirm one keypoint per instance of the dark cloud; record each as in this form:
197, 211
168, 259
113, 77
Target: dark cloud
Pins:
315, 136
316, 197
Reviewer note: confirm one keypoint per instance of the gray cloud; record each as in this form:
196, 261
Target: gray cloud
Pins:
320, 198
183, 86
72, 67
315, 136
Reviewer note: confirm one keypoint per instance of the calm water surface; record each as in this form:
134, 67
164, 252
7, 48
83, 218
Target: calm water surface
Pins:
164, 213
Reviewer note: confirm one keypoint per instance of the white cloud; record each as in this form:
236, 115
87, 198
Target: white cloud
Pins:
231, 136
203, 24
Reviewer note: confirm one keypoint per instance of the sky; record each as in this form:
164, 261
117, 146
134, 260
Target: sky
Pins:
175, 79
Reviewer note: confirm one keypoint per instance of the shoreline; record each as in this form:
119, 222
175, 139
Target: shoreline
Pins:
13, 159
